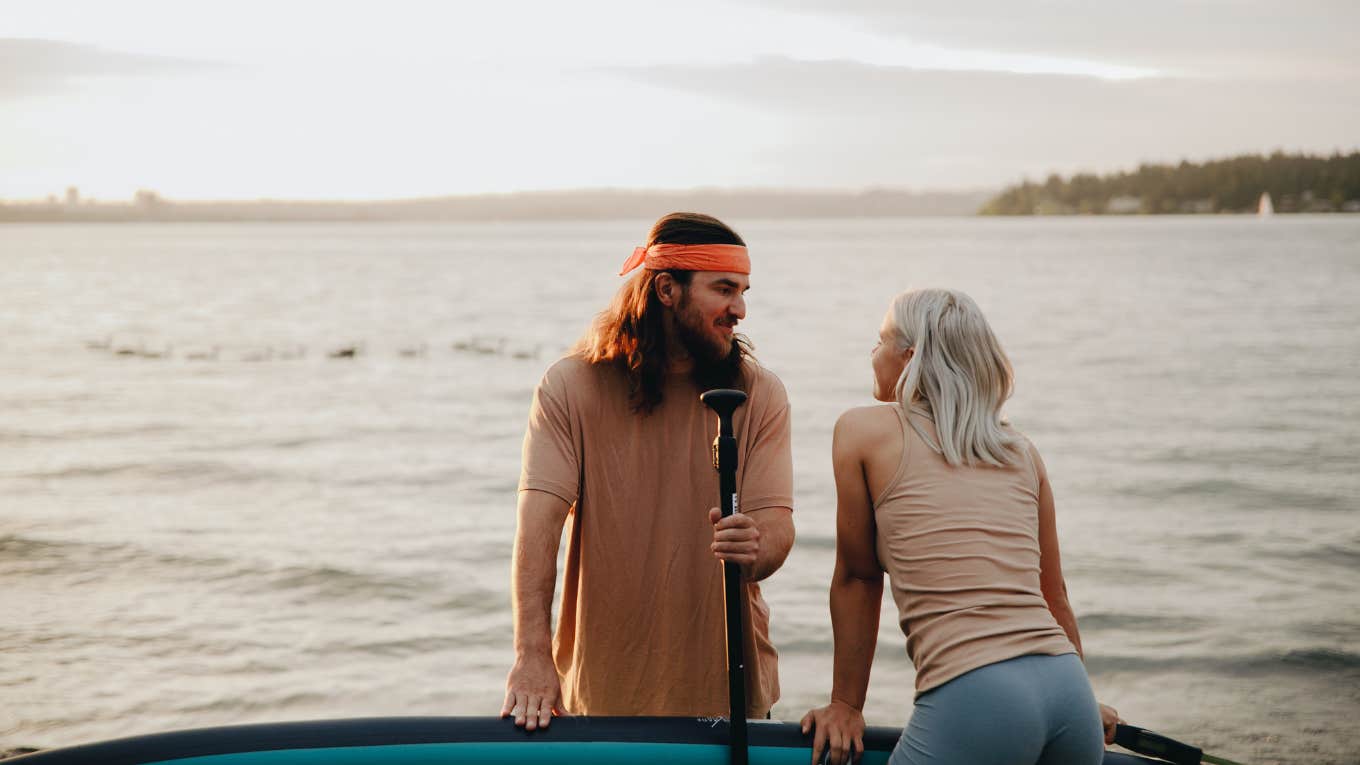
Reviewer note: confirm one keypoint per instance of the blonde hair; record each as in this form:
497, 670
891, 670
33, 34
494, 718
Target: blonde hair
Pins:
959, 372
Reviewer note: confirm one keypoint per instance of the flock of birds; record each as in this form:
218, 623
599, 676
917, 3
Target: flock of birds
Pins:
140, 350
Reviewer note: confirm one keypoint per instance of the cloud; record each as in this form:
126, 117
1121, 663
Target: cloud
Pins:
902, 126
1216, 38
32, 66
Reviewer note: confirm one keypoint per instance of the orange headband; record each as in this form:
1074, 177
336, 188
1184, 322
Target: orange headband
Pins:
690, 257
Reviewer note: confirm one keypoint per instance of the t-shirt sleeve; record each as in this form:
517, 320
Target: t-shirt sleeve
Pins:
550, 457
767, 478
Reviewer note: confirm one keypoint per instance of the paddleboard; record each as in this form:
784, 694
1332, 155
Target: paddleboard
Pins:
469, 741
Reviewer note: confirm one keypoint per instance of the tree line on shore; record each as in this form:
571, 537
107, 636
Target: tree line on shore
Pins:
1295, 182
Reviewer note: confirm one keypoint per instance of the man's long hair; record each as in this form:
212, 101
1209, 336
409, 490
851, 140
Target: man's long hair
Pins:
631, 332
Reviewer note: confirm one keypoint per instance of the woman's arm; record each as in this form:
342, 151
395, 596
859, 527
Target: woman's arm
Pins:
857, 582
856, 595
1051, 580
1055, 587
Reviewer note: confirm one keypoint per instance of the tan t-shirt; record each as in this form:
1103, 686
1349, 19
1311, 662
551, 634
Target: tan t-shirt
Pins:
961, 548
641, 626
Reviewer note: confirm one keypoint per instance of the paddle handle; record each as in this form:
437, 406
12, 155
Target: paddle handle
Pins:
1156, 745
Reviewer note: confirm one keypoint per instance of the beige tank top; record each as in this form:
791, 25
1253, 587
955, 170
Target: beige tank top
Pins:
961, 549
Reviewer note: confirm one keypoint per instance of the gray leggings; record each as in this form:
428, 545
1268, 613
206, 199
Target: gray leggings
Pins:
1030, 710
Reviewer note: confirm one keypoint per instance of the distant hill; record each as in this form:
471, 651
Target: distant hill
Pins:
537, 205
1295, 182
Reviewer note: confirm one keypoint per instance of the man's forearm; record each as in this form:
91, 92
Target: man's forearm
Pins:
532, 599
776, 539
534, 569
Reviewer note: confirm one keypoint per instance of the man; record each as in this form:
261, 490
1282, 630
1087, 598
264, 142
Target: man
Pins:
619, 444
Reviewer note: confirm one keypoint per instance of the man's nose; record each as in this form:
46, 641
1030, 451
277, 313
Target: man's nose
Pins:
738, 307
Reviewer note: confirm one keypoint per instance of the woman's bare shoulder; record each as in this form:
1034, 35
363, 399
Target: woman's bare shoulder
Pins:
867, 424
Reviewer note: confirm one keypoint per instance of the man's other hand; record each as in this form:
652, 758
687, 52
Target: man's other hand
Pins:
533, 692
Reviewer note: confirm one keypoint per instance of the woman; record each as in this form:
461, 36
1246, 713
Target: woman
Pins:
955, 506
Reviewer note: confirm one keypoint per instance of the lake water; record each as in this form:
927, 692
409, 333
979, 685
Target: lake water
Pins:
205, 519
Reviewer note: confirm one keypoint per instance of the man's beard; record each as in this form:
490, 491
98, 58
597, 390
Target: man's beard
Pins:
713, 367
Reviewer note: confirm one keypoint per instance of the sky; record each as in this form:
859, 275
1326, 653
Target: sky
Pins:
344, 100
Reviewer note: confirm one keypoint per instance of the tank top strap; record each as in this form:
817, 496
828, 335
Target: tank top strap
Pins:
906, 427
921, 434
1033, 466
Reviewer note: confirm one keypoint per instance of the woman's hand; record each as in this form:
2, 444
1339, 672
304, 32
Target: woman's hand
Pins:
1108, 720
836, 727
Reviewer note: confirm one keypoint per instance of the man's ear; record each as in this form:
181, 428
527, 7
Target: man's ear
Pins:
667, 290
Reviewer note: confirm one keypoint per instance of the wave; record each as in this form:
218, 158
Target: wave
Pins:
1299, 661
1317, 455
267, 444
477, 599
15, 547
1244, 495
203, 471
341, 584
1220, 538
1347, 557
62, 557
84, 434
1326, 659
1139, 622
415, 646
302, 584
254, 703
11, 402
358, 436
454, 476
1338, 631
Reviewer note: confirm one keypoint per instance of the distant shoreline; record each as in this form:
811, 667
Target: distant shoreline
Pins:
149, 207
133, 221
1051, 199
363, 220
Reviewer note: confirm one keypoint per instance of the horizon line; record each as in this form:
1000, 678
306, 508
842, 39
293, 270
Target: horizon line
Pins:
59, 196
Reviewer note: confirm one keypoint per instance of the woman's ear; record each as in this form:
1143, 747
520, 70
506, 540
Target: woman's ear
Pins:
665, 287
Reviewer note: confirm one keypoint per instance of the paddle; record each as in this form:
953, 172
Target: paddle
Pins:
1163, 748
724, 402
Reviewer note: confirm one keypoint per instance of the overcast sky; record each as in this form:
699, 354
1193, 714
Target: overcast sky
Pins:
248, 99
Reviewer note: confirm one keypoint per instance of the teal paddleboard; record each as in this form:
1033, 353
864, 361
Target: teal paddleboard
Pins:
468, 741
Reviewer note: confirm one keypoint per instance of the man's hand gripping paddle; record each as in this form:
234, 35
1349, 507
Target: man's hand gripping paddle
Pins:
725, 402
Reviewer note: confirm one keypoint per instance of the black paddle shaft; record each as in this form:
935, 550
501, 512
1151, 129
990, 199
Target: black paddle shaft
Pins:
1156, 745
725, 402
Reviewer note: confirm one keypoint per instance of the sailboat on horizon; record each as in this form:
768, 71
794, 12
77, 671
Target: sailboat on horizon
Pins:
1265, 208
